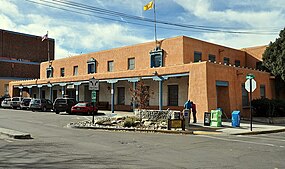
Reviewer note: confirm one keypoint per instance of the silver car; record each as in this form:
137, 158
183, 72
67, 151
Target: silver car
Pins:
6, 103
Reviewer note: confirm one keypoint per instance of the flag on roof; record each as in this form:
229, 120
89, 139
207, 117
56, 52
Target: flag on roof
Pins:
45, 37
148, 6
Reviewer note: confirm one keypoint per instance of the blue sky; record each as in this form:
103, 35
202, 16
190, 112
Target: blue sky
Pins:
76, 33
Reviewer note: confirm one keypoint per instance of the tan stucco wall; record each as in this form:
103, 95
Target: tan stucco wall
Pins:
2, 86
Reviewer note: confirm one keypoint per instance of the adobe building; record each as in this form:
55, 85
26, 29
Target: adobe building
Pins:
178, 69
20, 57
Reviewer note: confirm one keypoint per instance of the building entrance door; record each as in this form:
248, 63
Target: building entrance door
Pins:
223, 100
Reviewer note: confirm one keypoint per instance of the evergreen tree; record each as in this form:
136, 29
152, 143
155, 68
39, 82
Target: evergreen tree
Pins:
274, 56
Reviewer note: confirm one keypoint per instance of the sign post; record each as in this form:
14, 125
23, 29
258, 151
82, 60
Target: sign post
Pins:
93, 86
250, 86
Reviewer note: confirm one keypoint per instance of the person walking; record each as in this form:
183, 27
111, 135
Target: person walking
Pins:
193, 106
187, 105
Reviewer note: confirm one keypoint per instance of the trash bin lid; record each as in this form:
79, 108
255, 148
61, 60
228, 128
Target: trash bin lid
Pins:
236, 112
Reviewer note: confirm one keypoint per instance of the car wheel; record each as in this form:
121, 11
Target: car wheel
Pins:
44, 109
56, 111
33, 110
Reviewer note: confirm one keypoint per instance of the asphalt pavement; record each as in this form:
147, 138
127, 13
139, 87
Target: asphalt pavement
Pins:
193, 128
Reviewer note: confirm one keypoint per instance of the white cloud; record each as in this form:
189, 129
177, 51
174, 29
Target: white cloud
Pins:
238, 41
9, 9
204, 9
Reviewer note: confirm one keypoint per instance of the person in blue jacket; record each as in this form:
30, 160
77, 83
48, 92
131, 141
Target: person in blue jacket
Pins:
188, 105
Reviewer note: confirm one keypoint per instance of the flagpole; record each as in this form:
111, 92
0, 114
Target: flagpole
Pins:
154, 15
48, 48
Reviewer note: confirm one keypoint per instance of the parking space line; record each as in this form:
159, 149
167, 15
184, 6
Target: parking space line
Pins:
263, 138
241, 141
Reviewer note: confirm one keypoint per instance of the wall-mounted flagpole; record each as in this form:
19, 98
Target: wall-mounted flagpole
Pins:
154, 15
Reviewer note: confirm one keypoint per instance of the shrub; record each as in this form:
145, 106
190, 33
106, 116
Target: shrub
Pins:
130, 122
268, 107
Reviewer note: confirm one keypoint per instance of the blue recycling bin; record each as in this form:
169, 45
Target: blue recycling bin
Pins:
235, 118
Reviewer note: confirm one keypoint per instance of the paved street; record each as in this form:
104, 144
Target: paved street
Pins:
56, 146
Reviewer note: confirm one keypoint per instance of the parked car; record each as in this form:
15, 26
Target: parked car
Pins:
85, 108
6, 103
25, 103
63, 105
40, 104
15, 102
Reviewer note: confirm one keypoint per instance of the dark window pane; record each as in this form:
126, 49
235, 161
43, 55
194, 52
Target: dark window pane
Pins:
212, 58
173, 95
262, 91
245, 101
237, 63
131, 63
110, 66
226, 60
197, 56
121, 95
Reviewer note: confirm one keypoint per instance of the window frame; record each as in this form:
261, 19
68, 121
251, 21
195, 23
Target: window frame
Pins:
245, 99
237, 61
172, 100
75, 73
110, 66
91, 62
262, 86
210, 56
49, 72
131, 66
62, 72
197, 54
226, 60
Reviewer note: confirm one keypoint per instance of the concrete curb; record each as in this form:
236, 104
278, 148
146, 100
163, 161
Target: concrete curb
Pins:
207, 133
131, 129
15, 134
260, 132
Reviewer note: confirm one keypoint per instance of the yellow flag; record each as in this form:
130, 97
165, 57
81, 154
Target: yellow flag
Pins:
148, 6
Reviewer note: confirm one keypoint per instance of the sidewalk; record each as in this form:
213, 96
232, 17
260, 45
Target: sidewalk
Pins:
226, 129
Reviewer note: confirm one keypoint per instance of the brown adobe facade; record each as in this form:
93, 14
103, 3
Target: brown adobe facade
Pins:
181, 68
20, 57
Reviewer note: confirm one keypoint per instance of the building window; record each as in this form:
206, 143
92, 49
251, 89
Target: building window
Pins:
49, 72
110, 66
131, 63
156, 58
237, 63
172, 95
121, 95
75, 70
212, 58
226, 61
6, 89
91, 66
258, 65
197, 56
62, 72
262, 91
245, 101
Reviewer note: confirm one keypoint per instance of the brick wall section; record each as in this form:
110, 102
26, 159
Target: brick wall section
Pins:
23, 46
19, 70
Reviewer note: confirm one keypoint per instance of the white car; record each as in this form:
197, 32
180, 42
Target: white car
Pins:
6, 103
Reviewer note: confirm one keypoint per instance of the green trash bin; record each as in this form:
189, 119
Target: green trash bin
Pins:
216, 118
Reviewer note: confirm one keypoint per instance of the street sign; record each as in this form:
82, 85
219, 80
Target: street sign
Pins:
93, 95
250, 76
93, 84
247, 85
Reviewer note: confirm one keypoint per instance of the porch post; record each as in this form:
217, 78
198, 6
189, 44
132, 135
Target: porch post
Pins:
160, 94
40, 92
62, 91
77, 93
50, 93
112, 97
134, 102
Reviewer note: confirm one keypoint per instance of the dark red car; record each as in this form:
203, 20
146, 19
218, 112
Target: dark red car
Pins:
85, 108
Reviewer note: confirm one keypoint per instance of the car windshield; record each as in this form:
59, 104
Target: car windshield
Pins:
26, 100
35, 101
16, 99
81, 104
61, 101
